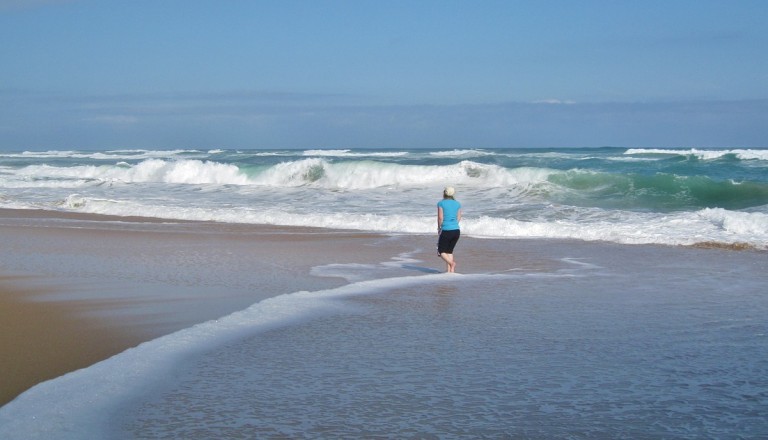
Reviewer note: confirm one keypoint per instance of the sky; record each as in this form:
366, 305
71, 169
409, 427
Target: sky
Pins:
105, 74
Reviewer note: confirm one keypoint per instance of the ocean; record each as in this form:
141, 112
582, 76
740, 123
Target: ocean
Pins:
630, 196
601, 293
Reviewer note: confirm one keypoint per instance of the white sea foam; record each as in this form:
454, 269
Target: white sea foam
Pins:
47, 410
684, 228
749, 225
185, 171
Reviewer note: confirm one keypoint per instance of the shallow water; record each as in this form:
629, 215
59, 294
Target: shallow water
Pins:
612, 342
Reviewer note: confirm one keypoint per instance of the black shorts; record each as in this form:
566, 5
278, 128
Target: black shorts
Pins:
447, 241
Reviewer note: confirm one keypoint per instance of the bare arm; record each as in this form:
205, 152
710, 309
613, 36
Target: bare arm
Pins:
439, 218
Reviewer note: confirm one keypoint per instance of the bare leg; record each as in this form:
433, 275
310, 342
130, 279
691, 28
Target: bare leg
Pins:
450, 264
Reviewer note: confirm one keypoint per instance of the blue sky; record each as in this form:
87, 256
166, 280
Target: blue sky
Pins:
377, 73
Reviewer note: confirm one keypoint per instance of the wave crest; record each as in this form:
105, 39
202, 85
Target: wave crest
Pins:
367, 174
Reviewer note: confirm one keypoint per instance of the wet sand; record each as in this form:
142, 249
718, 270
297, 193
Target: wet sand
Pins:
76, 289
41, 340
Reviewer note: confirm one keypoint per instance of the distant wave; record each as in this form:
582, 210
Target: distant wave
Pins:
462, 153
106, 155
350, 153
742, 154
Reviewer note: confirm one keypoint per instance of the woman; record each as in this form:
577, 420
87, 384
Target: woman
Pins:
448, 218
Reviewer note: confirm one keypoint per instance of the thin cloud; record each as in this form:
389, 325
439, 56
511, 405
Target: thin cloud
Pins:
554, 102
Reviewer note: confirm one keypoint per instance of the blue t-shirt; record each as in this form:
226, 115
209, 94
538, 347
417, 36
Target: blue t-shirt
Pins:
450, 214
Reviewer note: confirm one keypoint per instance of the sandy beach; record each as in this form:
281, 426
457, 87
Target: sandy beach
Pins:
559, 336
76, 289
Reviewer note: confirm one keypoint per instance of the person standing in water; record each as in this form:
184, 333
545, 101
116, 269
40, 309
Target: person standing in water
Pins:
448, 218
